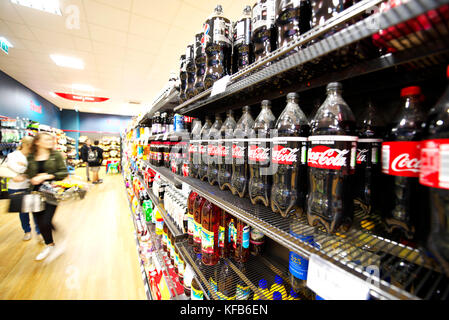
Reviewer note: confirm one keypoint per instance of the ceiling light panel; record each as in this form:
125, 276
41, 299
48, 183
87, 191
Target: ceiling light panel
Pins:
50, 6
67, 62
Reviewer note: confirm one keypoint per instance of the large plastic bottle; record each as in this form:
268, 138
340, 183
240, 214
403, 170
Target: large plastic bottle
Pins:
210, 222
194, 146
331, 161
202, 170
190, 72
190, 214
218, 38
402, 195
200, 62
433, 175
259, 156
212, 151
197, 226
241, 237
224, 156
264, 35
182, 78
289, 154
243, 48
240, 165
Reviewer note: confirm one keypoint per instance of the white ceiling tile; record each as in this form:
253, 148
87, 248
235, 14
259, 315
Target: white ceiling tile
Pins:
190, 15
148, 28
8, 12
83, 44
53, 39
163, 11
5, 31
107, 35
21, 30
142, 44
120, 4
107, 16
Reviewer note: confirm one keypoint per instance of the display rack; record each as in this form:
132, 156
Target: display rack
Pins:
166, 174
166, 101
278, 75
341, 250
254, 273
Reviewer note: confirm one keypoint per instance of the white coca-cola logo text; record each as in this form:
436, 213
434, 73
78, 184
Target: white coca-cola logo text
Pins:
238, 151
259, 153
361, 155
404, 163
285, 155
193, 148
329, 157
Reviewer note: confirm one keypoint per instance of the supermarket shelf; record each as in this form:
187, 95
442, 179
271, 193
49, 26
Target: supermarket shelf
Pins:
167, 101
170, 136
177, 233
166, 174
358, 244
271, 72
257, 268
142, 268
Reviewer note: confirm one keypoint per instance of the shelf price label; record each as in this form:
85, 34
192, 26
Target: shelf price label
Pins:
332, 283
220, 86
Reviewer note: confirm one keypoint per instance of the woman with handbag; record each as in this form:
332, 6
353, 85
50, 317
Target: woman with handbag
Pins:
17, 186
45, 164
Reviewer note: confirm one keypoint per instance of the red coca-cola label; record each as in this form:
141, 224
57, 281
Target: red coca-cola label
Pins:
325, 157
223, 150
258, 153
401, 158
185, 169
362, 155
212, 149
434, 171
285, 155
203, 149
193, 148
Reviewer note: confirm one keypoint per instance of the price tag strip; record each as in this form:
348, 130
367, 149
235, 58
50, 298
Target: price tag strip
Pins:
332, 283
220, 86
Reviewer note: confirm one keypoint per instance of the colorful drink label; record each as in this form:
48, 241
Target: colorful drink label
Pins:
435, 163
207, 241
401, 158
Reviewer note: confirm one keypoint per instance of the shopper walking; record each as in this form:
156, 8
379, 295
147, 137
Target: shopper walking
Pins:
17, 162
45, 164
84, 155
95, 159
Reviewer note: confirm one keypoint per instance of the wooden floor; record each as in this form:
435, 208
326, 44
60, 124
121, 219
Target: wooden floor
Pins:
100, 260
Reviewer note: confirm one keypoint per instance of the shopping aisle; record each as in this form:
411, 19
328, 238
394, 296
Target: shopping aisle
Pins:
100, 260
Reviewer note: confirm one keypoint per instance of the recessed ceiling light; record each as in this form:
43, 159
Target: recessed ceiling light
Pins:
50, 6
3, 39
67, 62
82, 87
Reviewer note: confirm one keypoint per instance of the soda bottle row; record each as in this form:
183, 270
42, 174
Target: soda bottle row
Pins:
216, 234
327, 168
168, 122
223, 48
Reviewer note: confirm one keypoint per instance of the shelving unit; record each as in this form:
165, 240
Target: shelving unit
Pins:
400, 271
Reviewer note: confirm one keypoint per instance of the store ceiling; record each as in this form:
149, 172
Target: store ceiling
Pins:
128, 47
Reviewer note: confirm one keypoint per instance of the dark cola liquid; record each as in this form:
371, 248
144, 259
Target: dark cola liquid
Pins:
260, 177
190, 73
225, 165
264, 35
240, 169
212, 167
294, 19
218, 51
290, 185
243, 49
202, 169
330, 201
200, 63
183, 79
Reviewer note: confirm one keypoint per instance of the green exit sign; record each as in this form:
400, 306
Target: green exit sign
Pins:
4, 45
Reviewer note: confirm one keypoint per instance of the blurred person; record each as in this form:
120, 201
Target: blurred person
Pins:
84, 156
17, 162
45, 164
95, 159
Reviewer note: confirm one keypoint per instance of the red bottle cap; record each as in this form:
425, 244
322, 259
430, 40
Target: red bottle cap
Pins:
411, 91
447, 72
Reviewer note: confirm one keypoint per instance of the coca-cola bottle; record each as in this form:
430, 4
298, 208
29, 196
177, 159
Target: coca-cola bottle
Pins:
197, 223
218, 39
200, 62
259, 156
194, 152
264, 33
243, 49
241, 241
331, 160
402, 197
293, 19
210, 222
368, 167
183, 79
434, 176
289, 155
190, 72
202, 170
223, 235
212, 147
224, 156
240, 165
